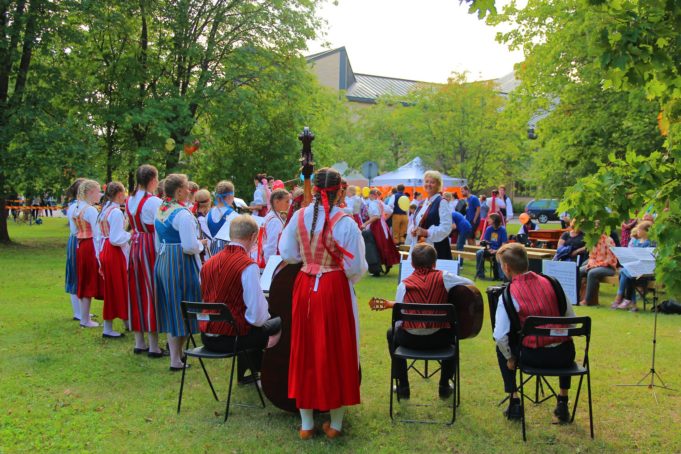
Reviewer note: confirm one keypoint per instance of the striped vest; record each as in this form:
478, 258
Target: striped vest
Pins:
84, 227
535, 297
315, 253
425, 286
221, 283
104, 226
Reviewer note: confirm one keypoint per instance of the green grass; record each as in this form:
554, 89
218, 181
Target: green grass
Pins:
67, 389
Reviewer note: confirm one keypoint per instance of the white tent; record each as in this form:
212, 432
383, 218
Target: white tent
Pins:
411, 175
353, 177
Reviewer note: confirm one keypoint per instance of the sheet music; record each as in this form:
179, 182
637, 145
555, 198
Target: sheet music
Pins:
268, 273
566, 274
444, 265
223, 233
638, 261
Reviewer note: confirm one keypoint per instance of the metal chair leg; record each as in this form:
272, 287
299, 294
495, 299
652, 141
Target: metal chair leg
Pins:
255, 382
574, 407
229, 393
522, 404
588, 389
179, 400
210, 383
392, 381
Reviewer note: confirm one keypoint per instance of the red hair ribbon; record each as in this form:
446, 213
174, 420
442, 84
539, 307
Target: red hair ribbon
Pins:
336, 256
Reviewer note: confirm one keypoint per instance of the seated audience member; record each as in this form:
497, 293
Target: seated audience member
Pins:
526, 225
425, 285
626, 294
571, 246
532, 295
233, 278
493, 238
602, 263
462, 227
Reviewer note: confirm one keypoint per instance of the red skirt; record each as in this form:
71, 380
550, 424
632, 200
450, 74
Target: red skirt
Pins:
357, 219
89, 280
115, 270
324, 368
141, 283
386, 247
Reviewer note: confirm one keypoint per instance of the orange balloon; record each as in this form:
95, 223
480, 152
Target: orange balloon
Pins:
523, 218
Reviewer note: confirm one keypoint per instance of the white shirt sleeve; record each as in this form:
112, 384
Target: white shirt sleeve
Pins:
374, 210
69, 214
509, 210
388, 209
451, 280
150, 209
401, 291
256, 305
502, 324
117, 234
259, 196
185, 223
272, 229
288, 243
438, 233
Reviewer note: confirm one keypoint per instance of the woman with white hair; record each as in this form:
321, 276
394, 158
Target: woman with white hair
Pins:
432, 222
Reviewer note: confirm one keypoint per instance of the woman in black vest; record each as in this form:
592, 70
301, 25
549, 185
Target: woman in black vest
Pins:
432, 222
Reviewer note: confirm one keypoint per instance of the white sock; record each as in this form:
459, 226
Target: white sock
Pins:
307, 419
85, 313
175, 344
139, 340
153, 343
337, 418
75, 305
108, 328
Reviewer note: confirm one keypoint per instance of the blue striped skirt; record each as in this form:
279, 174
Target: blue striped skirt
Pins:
176, 275
71, 275
216, 246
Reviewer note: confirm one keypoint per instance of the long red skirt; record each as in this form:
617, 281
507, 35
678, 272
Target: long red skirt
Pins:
115, 271
141, 283
324, 368
89, 280
386, 247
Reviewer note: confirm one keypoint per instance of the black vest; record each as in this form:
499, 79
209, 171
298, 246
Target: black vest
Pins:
443, 248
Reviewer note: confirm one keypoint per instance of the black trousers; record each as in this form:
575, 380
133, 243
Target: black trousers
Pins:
440, 338
548, 357
255, 340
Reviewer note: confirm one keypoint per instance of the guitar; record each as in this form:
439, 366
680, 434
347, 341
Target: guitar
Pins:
466, 299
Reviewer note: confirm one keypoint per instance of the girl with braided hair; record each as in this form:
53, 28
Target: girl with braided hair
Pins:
324, 361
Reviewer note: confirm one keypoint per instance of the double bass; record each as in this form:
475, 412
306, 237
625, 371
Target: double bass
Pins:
275, 361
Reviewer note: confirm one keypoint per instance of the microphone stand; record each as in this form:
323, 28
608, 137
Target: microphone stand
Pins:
652, 373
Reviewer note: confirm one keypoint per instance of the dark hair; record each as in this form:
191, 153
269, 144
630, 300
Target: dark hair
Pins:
72, 191
112, 190
393, 191
145, 173
400, 187
496, 220
277, 194
259, 177
465, 186
495, 192
407, 194
455, 195
423, 255
173, 182
270, 178
161, 189
325, 177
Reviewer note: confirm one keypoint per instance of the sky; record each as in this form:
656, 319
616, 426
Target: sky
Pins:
422, 40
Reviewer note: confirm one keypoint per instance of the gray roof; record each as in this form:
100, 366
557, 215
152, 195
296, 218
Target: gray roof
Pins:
368, 88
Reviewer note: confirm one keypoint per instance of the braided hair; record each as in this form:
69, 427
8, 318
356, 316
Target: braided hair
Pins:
112, 190
325, 177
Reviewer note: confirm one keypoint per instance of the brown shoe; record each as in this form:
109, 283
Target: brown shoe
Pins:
306, 434
330, 432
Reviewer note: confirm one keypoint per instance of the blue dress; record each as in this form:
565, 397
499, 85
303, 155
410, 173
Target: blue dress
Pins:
217, 245
71, 276
176, 275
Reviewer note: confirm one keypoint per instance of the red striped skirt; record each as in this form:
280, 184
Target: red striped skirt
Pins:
115, 270
323, 371
386, 247
89, 280
141, 283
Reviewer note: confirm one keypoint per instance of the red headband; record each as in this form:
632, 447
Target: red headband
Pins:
337, 257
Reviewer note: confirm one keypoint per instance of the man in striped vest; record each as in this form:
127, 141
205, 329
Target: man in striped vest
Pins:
233, 278
426, 285
532, 295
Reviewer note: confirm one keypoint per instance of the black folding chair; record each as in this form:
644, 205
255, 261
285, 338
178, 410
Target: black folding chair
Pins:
438, 313
568, 326
212, 312
493, 294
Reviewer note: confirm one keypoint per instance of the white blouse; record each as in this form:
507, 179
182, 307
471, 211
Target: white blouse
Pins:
149, 209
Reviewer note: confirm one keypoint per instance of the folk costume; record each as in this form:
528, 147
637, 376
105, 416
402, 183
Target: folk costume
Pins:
386, 248
71, 275
232, 278
89, 281
261, 198
434, 215
424, 286
324, 357
217, 217
177, 266
112, 257
268, 237
141, 211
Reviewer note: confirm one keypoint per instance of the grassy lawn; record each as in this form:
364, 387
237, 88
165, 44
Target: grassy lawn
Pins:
67, 389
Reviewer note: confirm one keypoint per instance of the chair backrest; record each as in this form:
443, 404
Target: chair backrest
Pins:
206, 312
434, 313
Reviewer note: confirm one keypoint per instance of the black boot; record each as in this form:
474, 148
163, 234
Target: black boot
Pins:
514, 411
402, 390
561, 413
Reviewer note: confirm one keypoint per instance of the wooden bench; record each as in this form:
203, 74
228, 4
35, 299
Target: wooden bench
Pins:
549, 237
650, 285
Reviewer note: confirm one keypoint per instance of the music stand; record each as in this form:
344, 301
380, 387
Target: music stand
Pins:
652, 373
